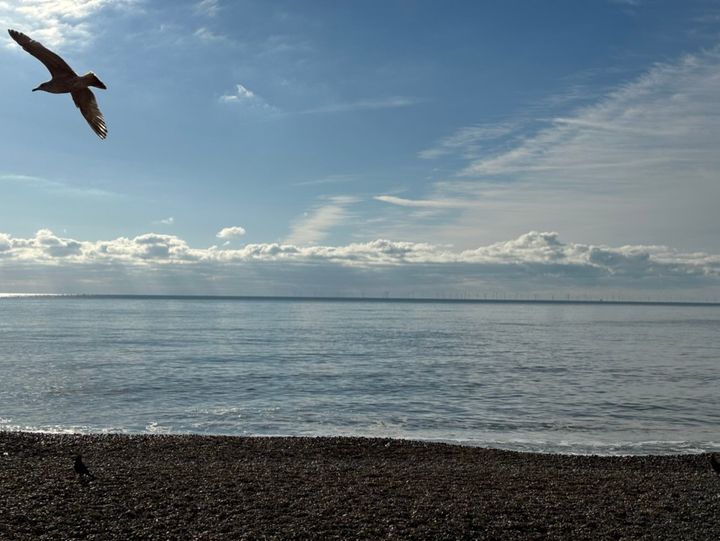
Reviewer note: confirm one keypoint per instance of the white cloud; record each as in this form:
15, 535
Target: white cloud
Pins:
231, 232
165, 221
56, 22
316, 225
241, 94
532, 262
533, 247
5, 244
55, 247
247, 98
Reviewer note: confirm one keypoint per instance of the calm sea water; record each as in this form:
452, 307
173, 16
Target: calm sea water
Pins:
546, 377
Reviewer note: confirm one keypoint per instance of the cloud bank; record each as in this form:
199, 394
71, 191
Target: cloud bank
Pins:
533, 263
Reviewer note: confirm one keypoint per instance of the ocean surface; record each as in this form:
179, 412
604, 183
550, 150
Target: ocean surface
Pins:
550, 377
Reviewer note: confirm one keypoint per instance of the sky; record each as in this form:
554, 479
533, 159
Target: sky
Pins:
501, 148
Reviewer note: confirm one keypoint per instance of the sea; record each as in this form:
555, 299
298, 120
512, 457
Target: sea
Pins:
554, 377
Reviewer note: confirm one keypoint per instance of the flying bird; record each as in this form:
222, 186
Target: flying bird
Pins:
65, 80
81, 469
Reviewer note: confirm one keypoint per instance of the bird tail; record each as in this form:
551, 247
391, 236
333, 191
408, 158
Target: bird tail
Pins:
94, 81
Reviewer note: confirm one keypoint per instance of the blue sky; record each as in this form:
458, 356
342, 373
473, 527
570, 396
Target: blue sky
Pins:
414, 147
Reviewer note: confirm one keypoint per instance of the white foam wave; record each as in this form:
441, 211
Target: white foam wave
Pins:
564, 447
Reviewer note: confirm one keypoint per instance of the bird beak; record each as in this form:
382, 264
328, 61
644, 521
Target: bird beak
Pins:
34, 89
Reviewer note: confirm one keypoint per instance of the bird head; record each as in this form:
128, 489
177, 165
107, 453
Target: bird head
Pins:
43, 86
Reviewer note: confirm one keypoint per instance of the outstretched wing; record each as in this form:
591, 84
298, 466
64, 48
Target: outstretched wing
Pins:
56, 65
85, 100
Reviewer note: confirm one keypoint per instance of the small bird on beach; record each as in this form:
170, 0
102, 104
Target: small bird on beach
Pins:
65, 80
715, 464
81, 469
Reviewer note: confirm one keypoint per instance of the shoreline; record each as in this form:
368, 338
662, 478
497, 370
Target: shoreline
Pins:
233, 487
576, 448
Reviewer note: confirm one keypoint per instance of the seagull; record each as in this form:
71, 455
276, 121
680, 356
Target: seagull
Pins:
715, 464
81, 469
65, 80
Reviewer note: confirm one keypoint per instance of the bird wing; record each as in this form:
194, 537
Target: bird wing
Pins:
56, 65
85, 101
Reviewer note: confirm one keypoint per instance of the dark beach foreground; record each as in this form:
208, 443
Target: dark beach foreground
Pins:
196, 487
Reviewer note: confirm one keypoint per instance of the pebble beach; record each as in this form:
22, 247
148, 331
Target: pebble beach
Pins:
208, 487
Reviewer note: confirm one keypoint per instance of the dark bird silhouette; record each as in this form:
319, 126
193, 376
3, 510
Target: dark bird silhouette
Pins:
65, 80
715, 464
81, 469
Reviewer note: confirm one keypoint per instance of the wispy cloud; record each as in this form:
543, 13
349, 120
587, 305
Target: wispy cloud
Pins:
56, 187
316, 224
668, 115
468, 141
330, 179
208, 8
165, 221
360, 105
205, 34
423, 203
649, 148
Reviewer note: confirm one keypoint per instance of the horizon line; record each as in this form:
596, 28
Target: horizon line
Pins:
594, 301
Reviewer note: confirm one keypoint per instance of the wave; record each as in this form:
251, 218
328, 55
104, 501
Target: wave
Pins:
543, 446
